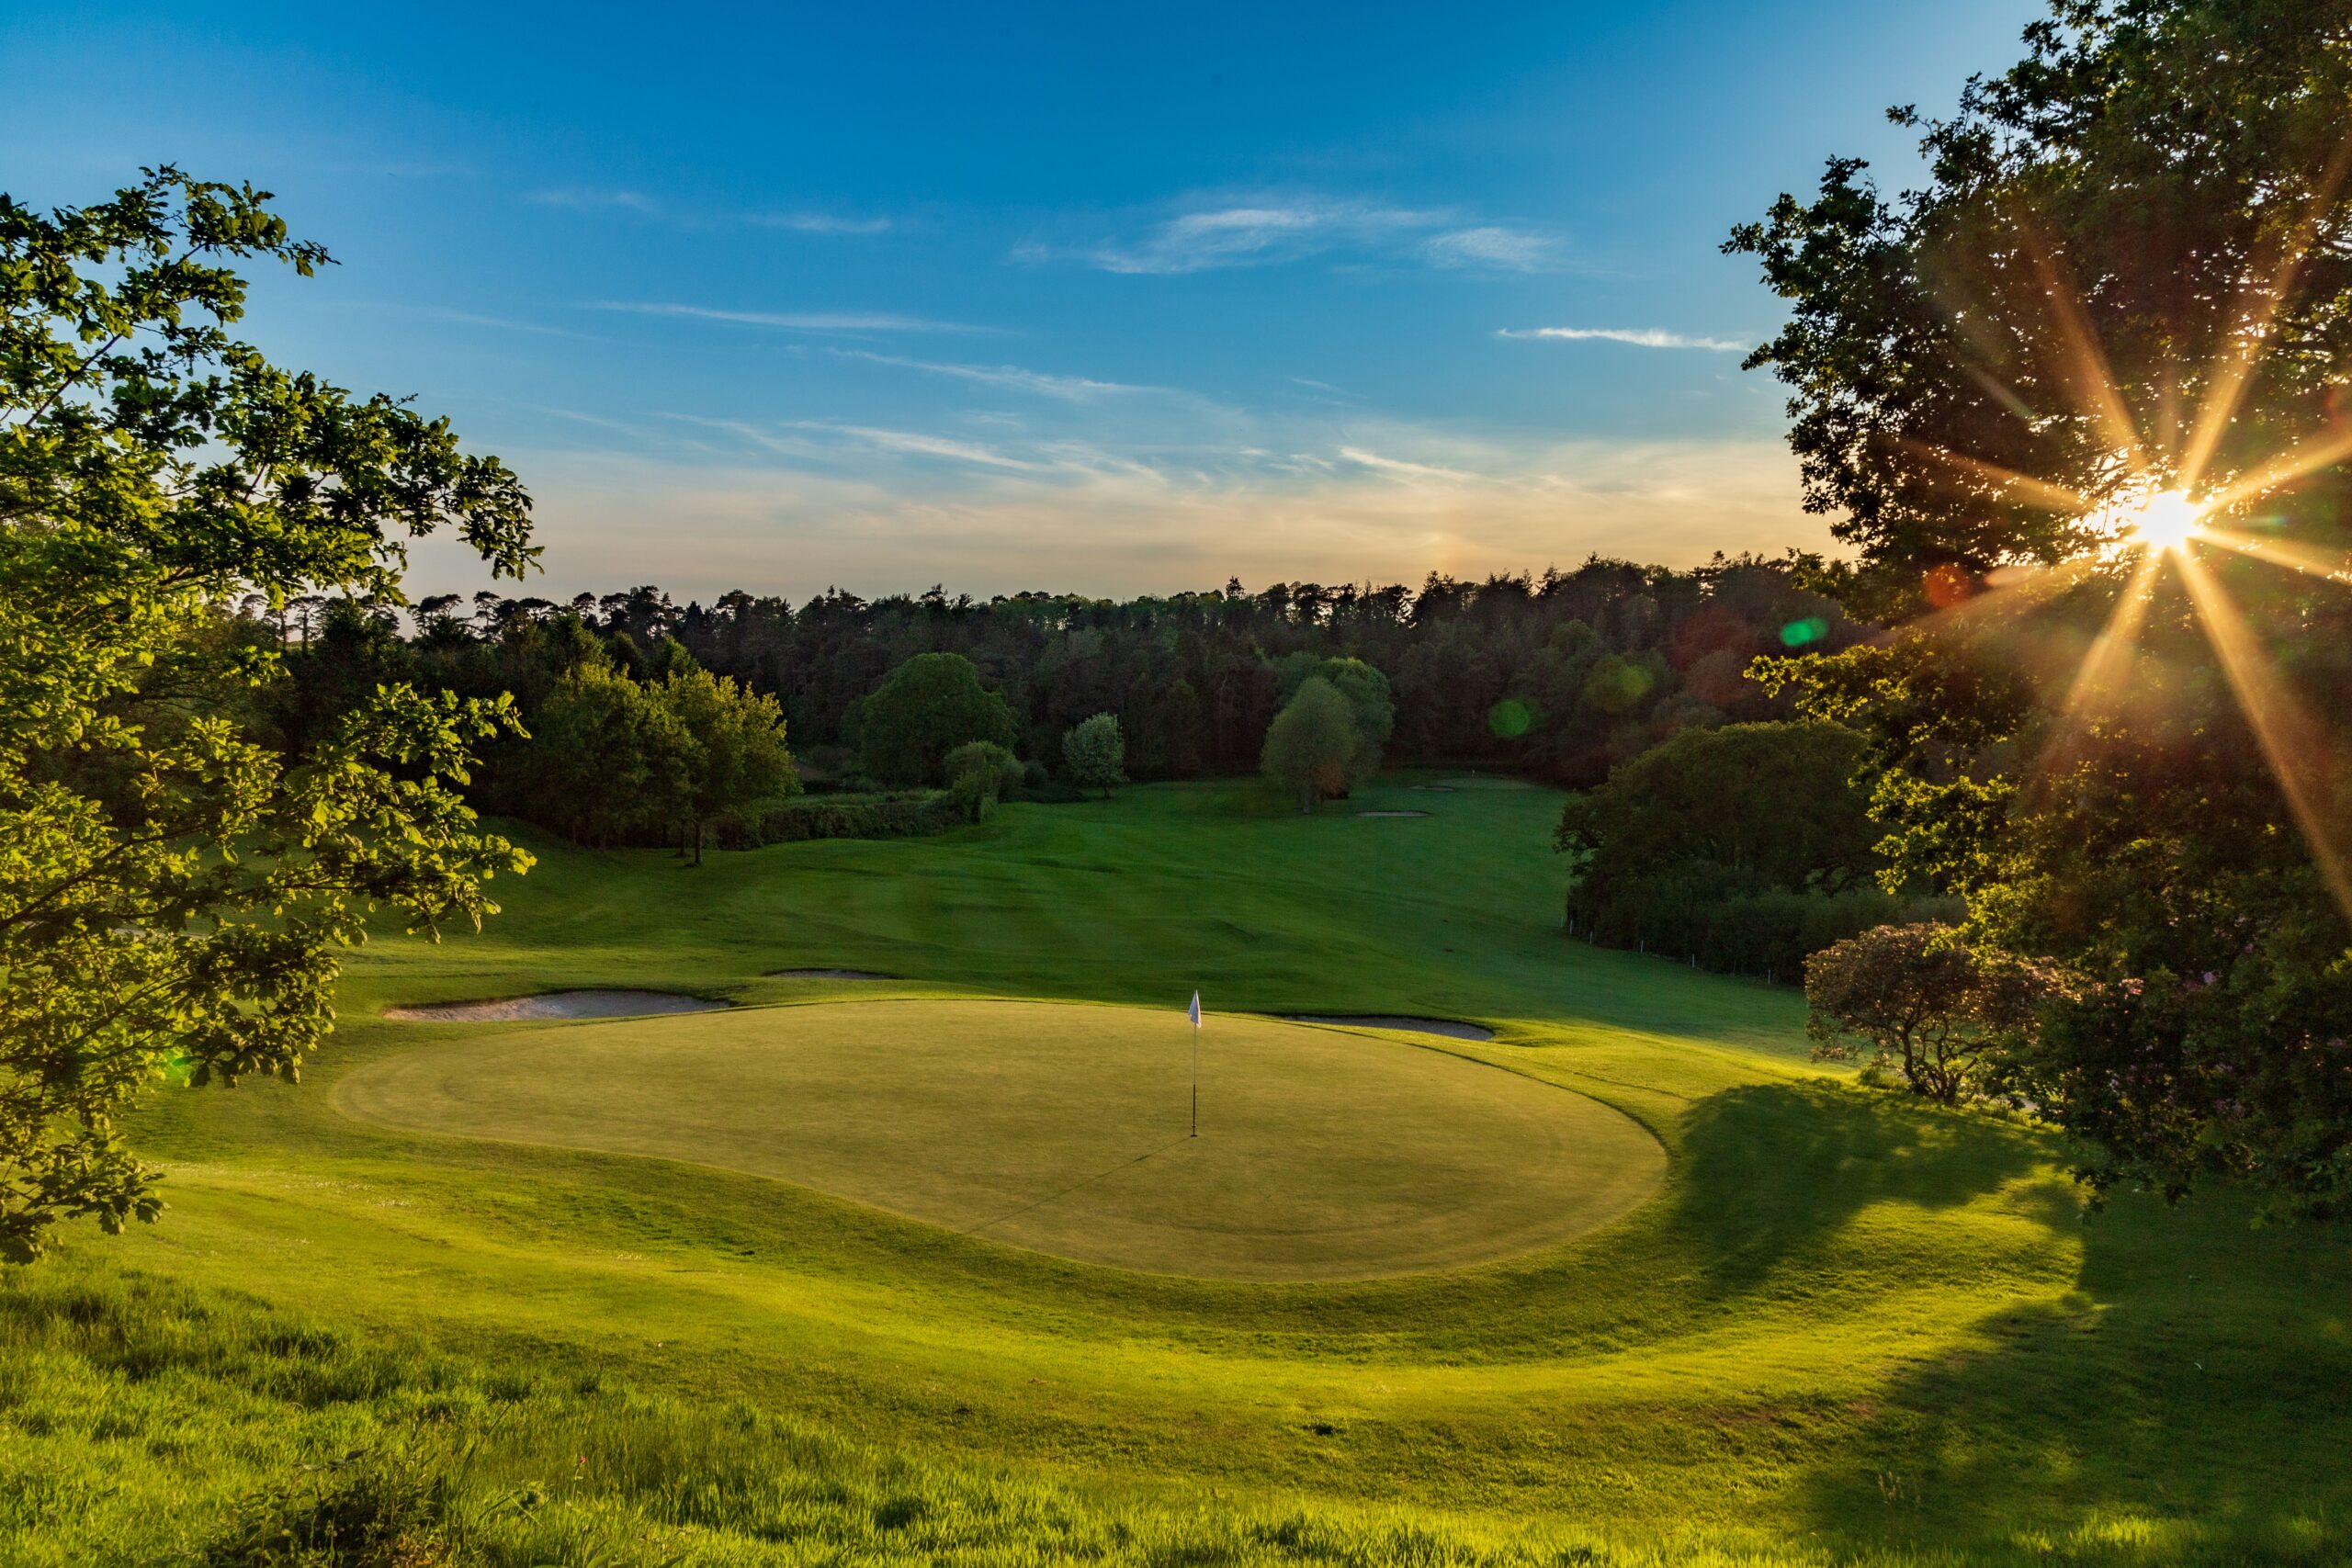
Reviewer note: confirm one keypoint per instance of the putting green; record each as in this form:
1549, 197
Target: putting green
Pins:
1322, 1154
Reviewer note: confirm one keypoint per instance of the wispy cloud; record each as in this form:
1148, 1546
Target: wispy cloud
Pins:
501, 323
590, 198
1264, 230
1640, 337
818, 321
1492, 246
824, 224
915, 444
1066, 515
1012, 377
1253, 232
1399, 468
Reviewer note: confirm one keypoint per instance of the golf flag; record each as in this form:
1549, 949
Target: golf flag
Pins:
1194, 1012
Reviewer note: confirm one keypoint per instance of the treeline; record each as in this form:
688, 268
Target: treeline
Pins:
1560, 675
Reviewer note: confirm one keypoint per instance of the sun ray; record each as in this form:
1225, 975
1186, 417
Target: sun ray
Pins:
2306, 457
2103, 664
2082, 363
2117, 641
2044, 493
2292, 738
2257, 313
2280, 552
2006, 594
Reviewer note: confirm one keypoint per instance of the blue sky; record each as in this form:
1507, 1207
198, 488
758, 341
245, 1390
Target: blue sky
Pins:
1100, 297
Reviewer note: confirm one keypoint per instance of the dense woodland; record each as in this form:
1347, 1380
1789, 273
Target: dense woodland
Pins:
1562, 675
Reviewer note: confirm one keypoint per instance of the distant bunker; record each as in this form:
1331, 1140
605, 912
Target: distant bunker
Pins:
556, 1004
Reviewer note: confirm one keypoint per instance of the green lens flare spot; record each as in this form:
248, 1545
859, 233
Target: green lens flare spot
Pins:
1797, 634
1510, 718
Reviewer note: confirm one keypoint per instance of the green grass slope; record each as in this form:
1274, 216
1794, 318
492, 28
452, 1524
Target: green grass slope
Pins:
1846, 1328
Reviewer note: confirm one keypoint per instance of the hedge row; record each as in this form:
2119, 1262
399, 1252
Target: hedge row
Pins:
835, 817
1760, 932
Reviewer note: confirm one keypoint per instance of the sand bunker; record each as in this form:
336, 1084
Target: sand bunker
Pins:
555, 1004
1451, 1027
1432, 789
828, 974
1392, 814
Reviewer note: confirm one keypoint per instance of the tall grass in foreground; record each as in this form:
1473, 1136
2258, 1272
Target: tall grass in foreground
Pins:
149, 1423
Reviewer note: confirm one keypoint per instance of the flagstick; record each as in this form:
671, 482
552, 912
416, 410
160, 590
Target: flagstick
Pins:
1196, 1079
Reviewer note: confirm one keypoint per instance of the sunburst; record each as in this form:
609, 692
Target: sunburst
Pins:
2163, 512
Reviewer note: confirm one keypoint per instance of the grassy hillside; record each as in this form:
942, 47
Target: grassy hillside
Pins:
1846, 1328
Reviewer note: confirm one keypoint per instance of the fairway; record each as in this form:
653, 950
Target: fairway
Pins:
1323, 1155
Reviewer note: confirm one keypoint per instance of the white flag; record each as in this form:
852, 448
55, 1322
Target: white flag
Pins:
1194, 1012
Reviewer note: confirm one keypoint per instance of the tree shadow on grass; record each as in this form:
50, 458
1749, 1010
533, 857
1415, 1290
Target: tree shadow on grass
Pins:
2190, 1401
1770, 1173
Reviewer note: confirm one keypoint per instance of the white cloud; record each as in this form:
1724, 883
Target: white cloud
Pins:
913, 444
585, 198
792, 320
1254, 232
1012, 377
1640, 337
824, 224
1491, 245
1399, 468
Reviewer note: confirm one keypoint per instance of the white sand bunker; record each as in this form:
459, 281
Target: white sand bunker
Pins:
1432, 789
556, 1004
1452, 1028
1392, 814
828, 974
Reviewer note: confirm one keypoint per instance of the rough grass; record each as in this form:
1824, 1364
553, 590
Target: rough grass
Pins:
1847, 1330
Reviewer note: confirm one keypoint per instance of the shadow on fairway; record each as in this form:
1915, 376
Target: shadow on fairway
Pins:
2153, 1391
1771, 1172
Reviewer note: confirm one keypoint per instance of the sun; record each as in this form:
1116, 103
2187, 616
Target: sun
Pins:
2167, 520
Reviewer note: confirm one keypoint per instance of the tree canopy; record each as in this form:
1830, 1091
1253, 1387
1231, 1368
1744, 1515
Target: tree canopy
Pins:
924, 709
1313, 743
2127, 282
1095, 753
731, 754
172, 883
1747, 847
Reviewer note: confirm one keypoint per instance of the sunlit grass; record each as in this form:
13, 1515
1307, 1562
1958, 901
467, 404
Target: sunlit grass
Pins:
1848, 1330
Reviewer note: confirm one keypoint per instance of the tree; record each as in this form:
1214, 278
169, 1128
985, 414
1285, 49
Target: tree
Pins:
2103, 225
2128, 274
1180, 726
1369, 703
1094, 753
924, 709
979, 773
604, 759
1313, 743
169, 883
732, 754
1747, 846
1921, 1001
